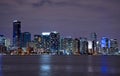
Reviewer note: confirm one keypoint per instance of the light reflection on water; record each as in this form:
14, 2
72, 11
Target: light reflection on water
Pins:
45, 67
104, 67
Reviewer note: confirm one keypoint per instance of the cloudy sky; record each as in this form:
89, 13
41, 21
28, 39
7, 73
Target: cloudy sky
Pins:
69, 17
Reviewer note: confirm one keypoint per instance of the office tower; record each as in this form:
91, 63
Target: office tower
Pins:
54, 42
94, 42
2, 40
67, 45
76, 45
16, 33
38, 41
105, 45
46, 41
25, 38
7, 43
90, 47
113, 46
2, 44
38, 38
83, 46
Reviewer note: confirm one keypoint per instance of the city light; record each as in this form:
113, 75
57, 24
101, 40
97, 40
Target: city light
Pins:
52, 43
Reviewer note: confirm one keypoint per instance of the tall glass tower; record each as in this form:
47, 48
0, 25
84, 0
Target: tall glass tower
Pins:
54, 41
16, 33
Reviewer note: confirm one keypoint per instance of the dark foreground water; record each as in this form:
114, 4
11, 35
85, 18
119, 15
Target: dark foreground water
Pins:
59, 65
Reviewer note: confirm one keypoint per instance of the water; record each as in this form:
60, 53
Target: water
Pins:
47, 65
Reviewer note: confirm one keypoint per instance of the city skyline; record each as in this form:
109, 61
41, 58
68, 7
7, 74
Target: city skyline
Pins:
76, 18
53, 43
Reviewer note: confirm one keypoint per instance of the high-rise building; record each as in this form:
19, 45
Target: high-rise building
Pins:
7, 43
38, 38
67, 45
113, 46
76, 46
25, 38
90, 47
16, 33
2, 44
83, 46
2, 40
46, 41
105, 44
38, 41
54, 41
94, 42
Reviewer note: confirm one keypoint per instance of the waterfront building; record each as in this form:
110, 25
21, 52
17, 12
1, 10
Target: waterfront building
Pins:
113, 46
83, 45
2, 40
76, 45
46, 41
16, 33
54, 42
25, 38
67, 45
105, 44
94, 43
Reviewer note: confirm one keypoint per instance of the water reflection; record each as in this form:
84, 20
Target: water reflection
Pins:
45, 65
68, 68
104, 68
90, 67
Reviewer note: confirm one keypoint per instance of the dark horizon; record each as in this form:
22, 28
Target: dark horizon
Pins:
76, 18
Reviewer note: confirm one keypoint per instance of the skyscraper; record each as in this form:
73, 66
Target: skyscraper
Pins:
2, 40
67, 45
83, 45
105, 44
46, 41
38, 41
94, 42
25, 38
16, 33
54, 41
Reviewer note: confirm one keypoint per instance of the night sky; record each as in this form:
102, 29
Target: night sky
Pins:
76, 18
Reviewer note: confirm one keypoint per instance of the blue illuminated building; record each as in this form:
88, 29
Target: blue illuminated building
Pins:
105, 42
25, 38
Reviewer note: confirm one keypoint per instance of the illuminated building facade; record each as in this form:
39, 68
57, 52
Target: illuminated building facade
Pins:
105, 44
94, 42
54, 41
2, 40
113, 46
16, 33
76, 46
25, 38
67, 45
90, 47
38, 41
83, 46
46, 41
38, 38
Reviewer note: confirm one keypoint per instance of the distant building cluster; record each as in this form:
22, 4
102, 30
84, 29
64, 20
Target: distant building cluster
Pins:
52, 43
